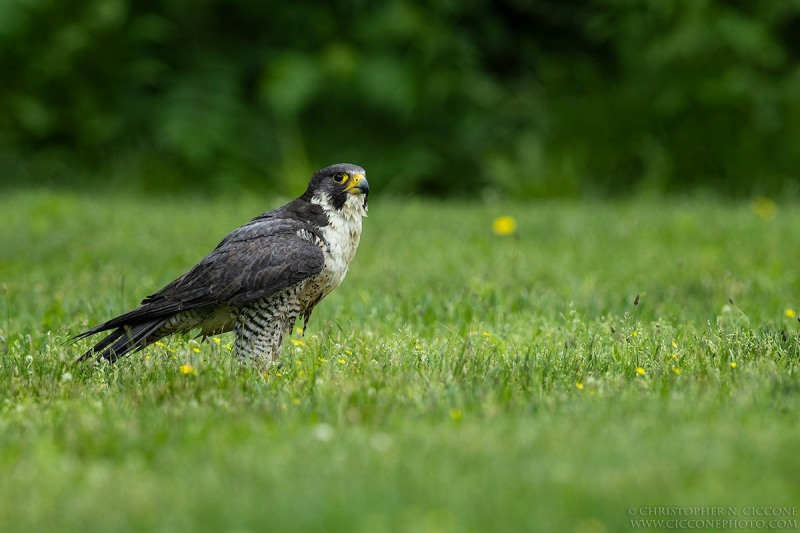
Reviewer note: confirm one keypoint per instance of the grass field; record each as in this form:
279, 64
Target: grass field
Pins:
457, 381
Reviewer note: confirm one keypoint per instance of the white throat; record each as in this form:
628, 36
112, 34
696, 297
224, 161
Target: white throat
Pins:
343, 232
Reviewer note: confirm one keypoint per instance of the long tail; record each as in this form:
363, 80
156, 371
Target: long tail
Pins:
123, 340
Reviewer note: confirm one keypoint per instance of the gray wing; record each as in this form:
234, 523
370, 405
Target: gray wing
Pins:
253, 262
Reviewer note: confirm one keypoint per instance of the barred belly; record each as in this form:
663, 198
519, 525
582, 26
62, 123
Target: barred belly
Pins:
261, 326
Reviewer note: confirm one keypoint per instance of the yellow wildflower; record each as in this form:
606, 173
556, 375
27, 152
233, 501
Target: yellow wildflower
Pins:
579, 385
195, 349
341, 360
504, 226
487, 334
674, 344
765, 208
456, 414
188, 369
640, 371
790, 313
733, 364
217, 340
322, 360
676, 370
298, 342
159, 344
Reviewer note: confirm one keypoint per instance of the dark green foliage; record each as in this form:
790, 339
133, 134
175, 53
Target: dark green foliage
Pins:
544, 98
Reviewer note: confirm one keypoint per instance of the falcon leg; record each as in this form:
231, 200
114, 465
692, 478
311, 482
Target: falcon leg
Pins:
260, 329
259, 348
260, 344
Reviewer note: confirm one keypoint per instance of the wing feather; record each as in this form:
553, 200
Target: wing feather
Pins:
253, 262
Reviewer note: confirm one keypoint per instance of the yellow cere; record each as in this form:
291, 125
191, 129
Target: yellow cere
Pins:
353, 182
504, 226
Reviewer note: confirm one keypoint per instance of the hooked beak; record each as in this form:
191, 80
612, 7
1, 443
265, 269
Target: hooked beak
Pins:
358, 185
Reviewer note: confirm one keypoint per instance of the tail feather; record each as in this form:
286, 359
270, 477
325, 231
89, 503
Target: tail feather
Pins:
124, 340
101, 346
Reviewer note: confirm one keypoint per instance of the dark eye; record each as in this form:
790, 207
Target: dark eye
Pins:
339, 177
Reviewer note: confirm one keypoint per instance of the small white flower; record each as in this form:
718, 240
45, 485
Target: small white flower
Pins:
323, 432
380, 442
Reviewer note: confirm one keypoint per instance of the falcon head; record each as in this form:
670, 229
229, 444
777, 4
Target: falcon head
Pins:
342, 187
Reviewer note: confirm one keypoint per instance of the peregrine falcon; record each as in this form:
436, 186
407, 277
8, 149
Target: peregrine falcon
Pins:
259, 279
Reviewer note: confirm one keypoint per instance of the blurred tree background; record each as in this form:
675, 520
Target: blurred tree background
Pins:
530, 98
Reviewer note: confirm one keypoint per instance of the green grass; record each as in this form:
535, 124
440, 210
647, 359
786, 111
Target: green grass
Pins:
456, 381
